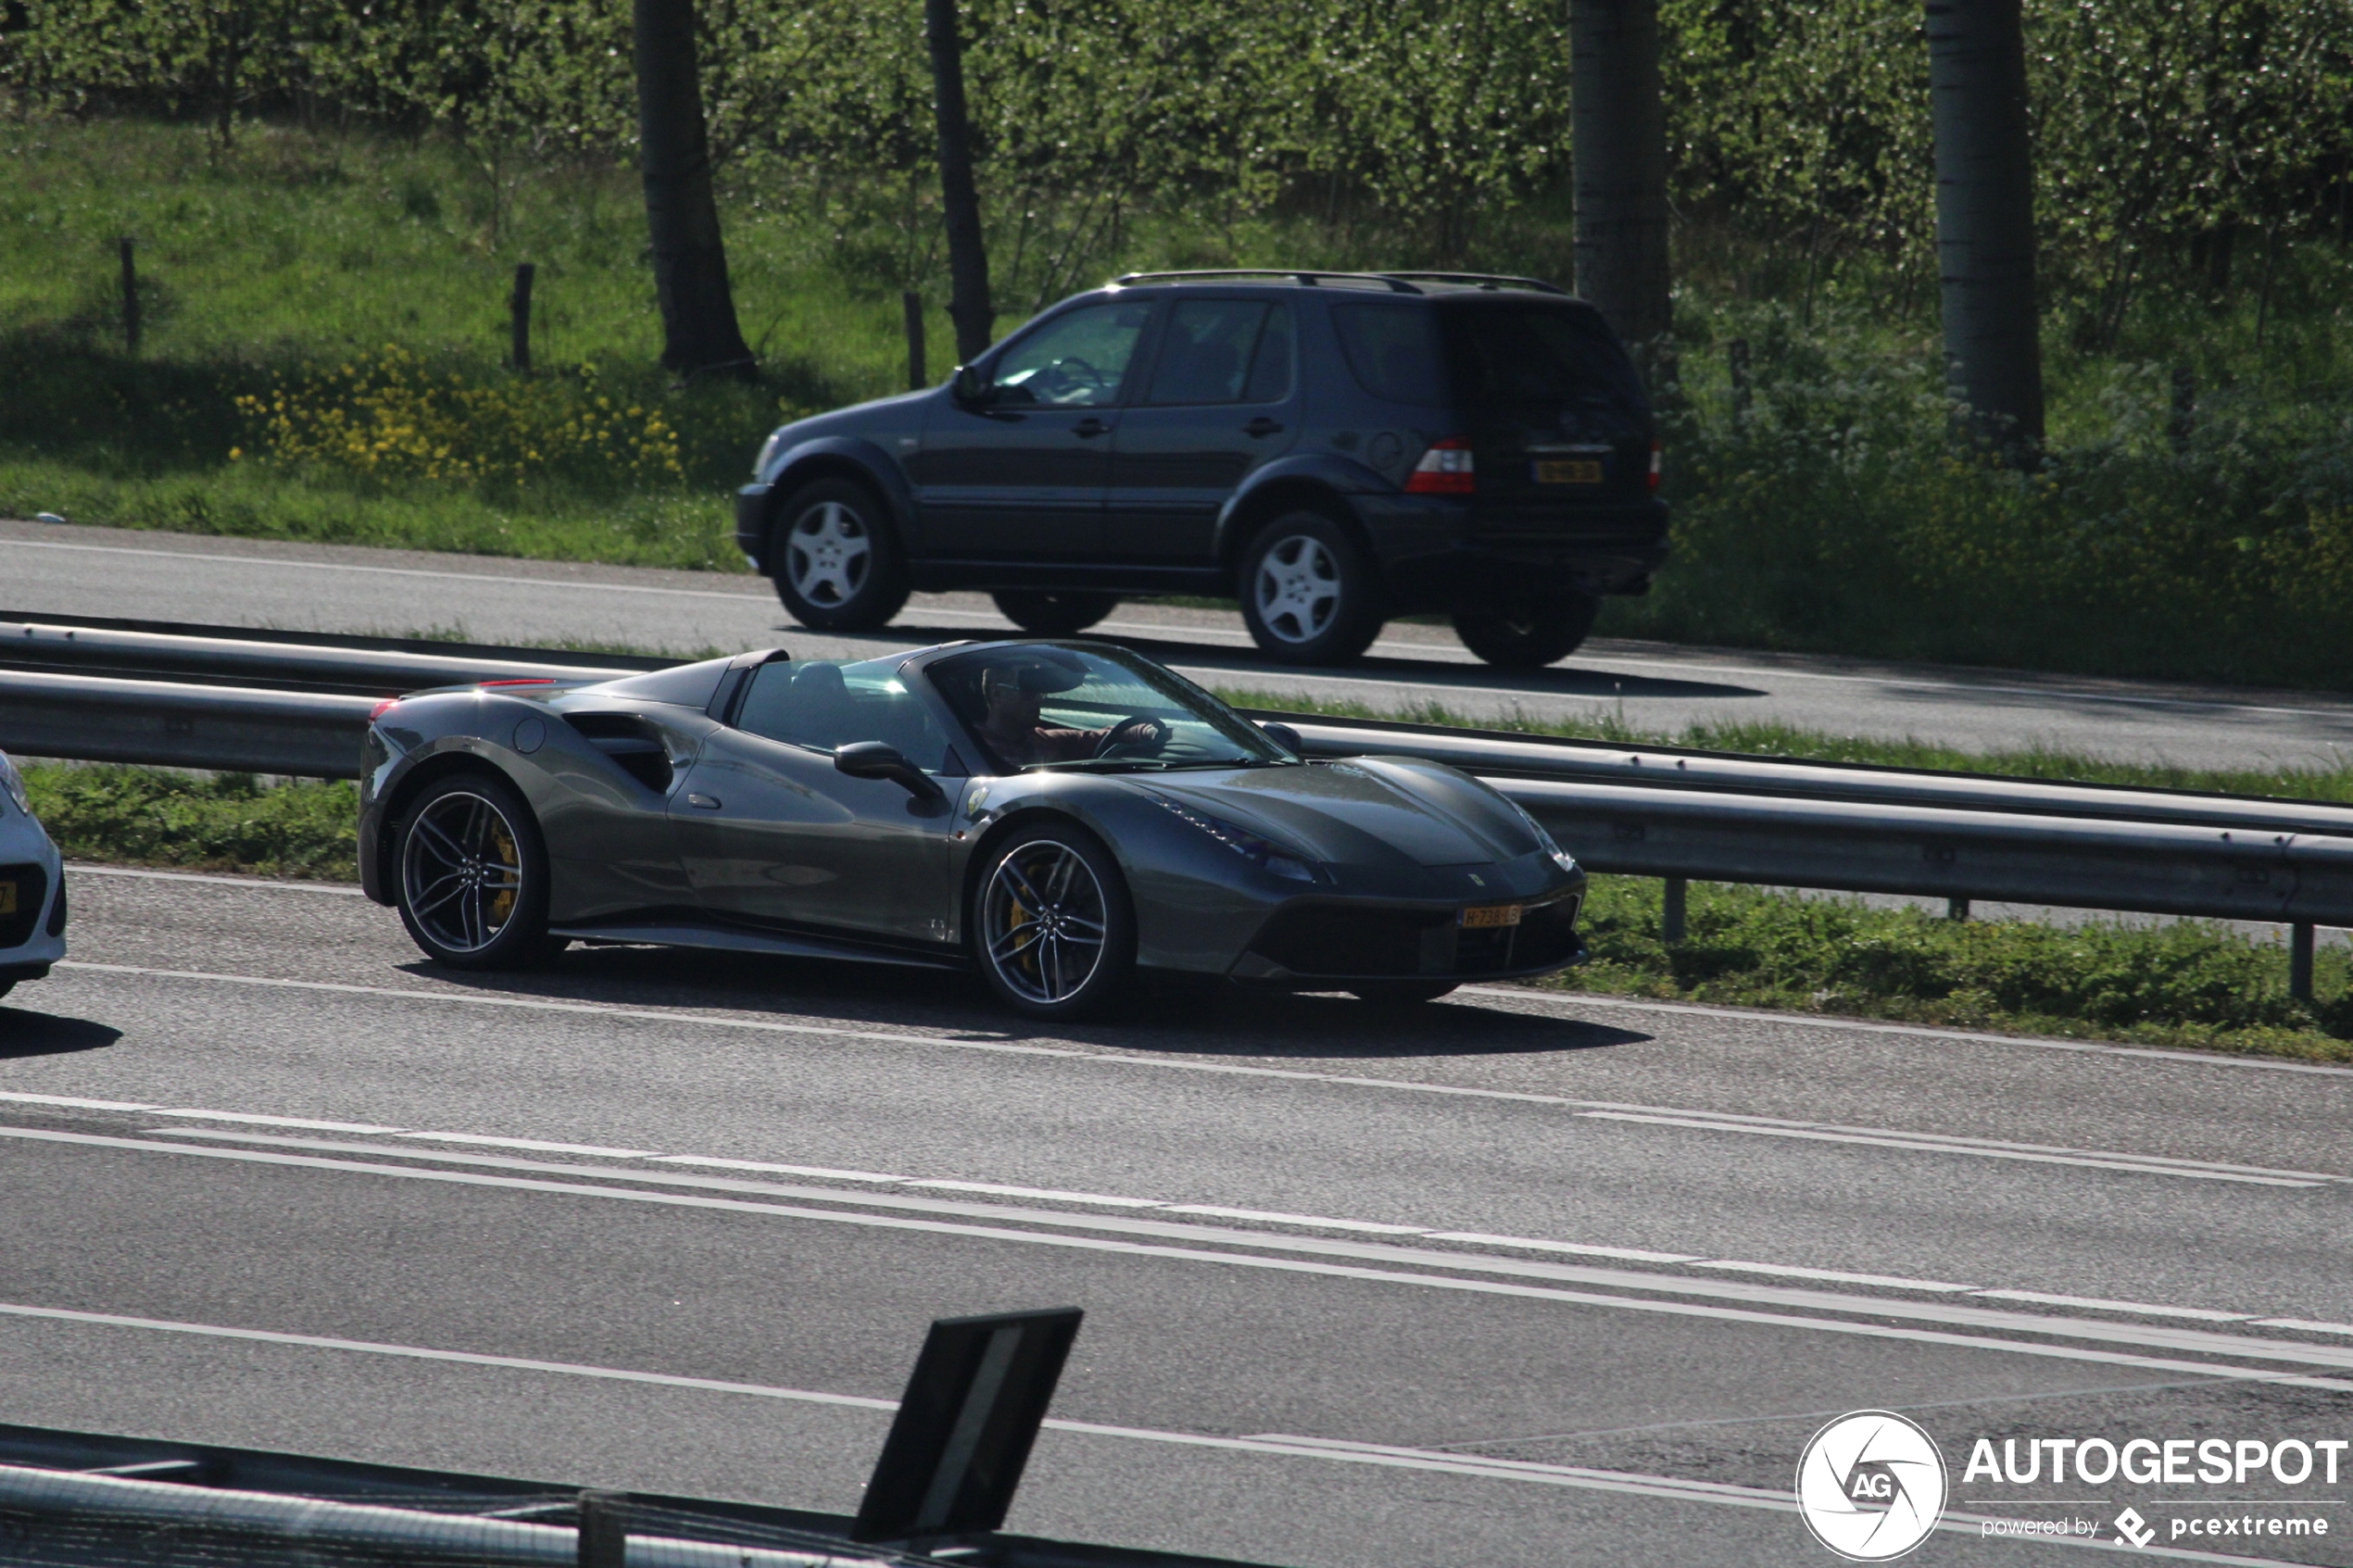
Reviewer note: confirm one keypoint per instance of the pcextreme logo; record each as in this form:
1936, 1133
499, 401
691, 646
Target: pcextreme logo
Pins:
1870, 1486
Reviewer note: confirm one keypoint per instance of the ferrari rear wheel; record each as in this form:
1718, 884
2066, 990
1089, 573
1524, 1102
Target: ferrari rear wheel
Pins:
1054, 931
1403, 993
472, 875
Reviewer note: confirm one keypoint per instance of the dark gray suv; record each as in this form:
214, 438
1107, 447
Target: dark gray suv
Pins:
1330, 449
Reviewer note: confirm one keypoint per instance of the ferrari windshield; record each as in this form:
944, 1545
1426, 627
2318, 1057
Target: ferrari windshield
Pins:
1038, 706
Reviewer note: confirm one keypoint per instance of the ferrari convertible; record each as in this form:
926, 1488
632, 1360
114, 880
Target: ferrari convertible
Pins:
1067, 817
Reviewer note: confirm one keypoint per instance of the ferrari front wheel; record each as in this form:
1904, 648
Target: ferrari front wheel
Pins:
1052, 924
472, 883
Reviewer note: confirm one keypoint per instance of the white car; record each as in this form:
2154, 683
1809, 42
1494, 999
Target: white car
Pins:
32, 887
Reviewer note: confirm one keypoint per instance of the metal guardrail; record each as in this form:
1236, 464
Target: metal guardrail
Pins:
1666, 812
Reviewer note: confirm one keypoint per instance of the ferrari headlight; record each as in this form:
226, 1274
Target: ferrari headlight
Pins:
1258, 850
1545, 841
13, 782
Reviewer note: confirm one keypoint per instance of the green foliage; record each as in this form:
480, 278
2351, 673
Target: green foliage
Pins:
2185, 983
225, 822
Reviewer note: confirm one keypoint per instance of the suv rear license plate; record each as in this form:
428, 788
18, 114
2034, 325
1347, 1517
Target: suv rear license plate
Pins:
7, 897
1550, 472
1491, 914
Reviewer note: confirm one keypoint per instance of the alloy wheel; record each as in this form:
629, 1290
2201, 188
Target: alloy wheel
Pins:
461, 871
1043, 922
828, 554
1298, 591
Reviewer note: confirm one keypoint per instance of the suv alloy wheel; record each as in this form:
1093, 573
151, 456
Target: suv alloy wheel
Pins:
1309, 595
837, 559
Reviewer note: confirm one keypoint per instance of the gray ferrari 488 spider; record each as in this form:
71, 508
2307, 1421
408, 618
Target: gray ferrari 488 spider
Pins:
1066, 817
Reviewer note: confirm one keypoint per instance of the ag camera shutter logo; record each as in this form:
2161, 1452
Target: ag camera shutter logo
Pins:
1870, 1486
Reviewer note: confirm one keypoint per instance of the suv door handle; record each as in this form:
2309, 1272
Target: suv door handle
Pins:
1263, 426
1089, 427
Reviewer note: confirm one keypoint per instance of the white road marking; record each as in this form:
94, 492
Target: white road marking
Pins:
2307, 1324
1837, 1276
272, 1121
536, 1145
1929, 1142
2098, 1304
1043, 1194
2144, 1336
1218, 1212
1914, 1031
1950, 1146
1271, 1444
825, 1171
264, 884
1630, 1253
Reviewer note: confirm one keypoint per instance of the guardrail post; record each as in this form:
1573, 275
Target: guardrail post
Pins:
1670, 925
2299, 961
1956, 908
604, 1530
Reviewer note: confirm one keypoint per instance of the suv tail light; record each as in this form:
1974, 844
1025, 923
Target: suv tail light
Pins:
1657, 467
1445, 469
386, 705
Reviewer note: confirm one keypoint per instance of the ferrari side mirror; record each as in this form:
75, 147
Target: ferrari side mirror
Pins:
971, 386
873, 759
1286, 737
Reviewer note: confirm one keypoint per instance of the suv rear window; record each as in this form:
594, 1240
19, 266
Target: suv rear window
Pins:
1502, 353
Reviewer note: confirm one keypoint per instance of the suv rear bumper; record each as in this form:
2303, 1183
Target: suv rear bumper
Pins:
1434, 548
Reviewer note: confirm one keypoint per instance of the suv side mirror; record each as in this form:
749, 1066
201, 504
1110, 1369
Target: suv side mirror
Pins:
971, 386
874, 760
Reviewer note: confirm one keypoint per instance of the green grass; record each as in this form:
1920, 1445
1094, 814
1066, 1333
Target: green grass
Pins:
2188, 983
218, 823
1784, 740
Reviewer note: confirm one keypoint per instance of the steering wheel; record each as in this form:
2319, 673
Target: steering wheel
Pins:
1122, 739
1070, 373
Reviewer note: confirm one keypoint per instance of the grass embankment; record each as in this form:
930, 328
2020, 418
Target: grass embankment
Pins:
2188, 983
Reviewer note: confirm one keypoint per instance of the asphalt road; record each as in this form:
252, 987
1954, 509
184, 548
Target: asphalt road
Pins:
1519, 1278
64, 569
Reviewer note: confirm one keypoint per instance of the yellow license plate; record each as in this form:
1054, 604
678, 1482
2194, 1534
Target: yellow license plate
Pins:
7, 897
1580, 473
1491, 914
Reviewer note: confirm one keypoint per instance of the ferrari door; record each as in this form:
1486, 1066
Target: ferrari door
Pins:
772, 833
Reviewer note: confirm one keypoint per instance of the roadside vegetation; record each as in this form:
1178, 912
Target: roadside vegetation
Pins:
2190, 984
328, 204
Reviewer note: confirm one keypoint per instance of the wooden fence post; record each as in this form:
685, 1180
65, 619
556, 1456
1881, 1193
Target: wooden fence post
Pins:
130, 299
912, 303
519, 316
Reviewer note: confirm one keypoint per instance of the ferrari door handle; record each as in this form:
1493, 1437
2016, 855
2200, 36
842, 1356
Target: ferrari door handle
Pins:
1263, 426
703, 802
1089, 427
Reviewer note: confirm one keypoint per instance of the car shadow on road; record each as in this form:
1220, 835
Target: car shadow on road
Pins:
1223, 1023
26, 1033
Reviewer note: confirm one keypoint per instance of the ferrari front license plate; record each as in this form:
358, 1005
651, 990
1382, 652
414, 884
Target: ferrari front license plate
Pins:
1568, 473
7, 897
1491, 914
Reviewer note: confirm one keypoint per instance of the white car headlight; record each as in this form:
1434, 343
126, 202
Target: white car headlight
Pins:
12, 783
1545, 841
767, 450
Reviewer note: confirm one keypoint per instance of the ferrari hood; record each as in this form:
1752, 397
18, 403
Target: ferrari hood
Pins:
1365, 811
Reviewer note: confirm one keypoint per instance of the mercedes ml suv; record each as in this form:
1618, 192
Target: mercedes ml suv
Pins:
1331, 450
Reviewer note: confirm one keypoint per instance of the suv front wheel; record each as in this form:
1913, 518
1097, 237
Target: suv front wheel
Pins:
1309, 594
837, 559
1527, 633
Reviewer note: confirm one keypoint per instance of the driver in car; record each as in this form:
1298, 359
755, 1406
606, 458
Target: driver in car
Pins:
1013, 724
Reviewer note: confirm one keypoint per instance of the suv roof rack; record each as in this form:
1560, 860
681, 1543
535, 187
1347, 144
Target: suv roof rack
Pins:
1480, 280
1394, 284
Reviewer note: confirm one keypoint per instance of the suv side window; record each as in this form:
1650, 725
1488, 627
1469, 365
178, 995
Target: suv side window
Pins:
1393, 350
1224, 351
1077, 360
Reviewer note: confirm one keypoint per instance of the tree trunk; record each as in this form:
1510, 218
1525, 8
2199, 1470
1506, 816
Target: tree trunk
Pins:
968, 304
699, 325
1619, 126
1985, 221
